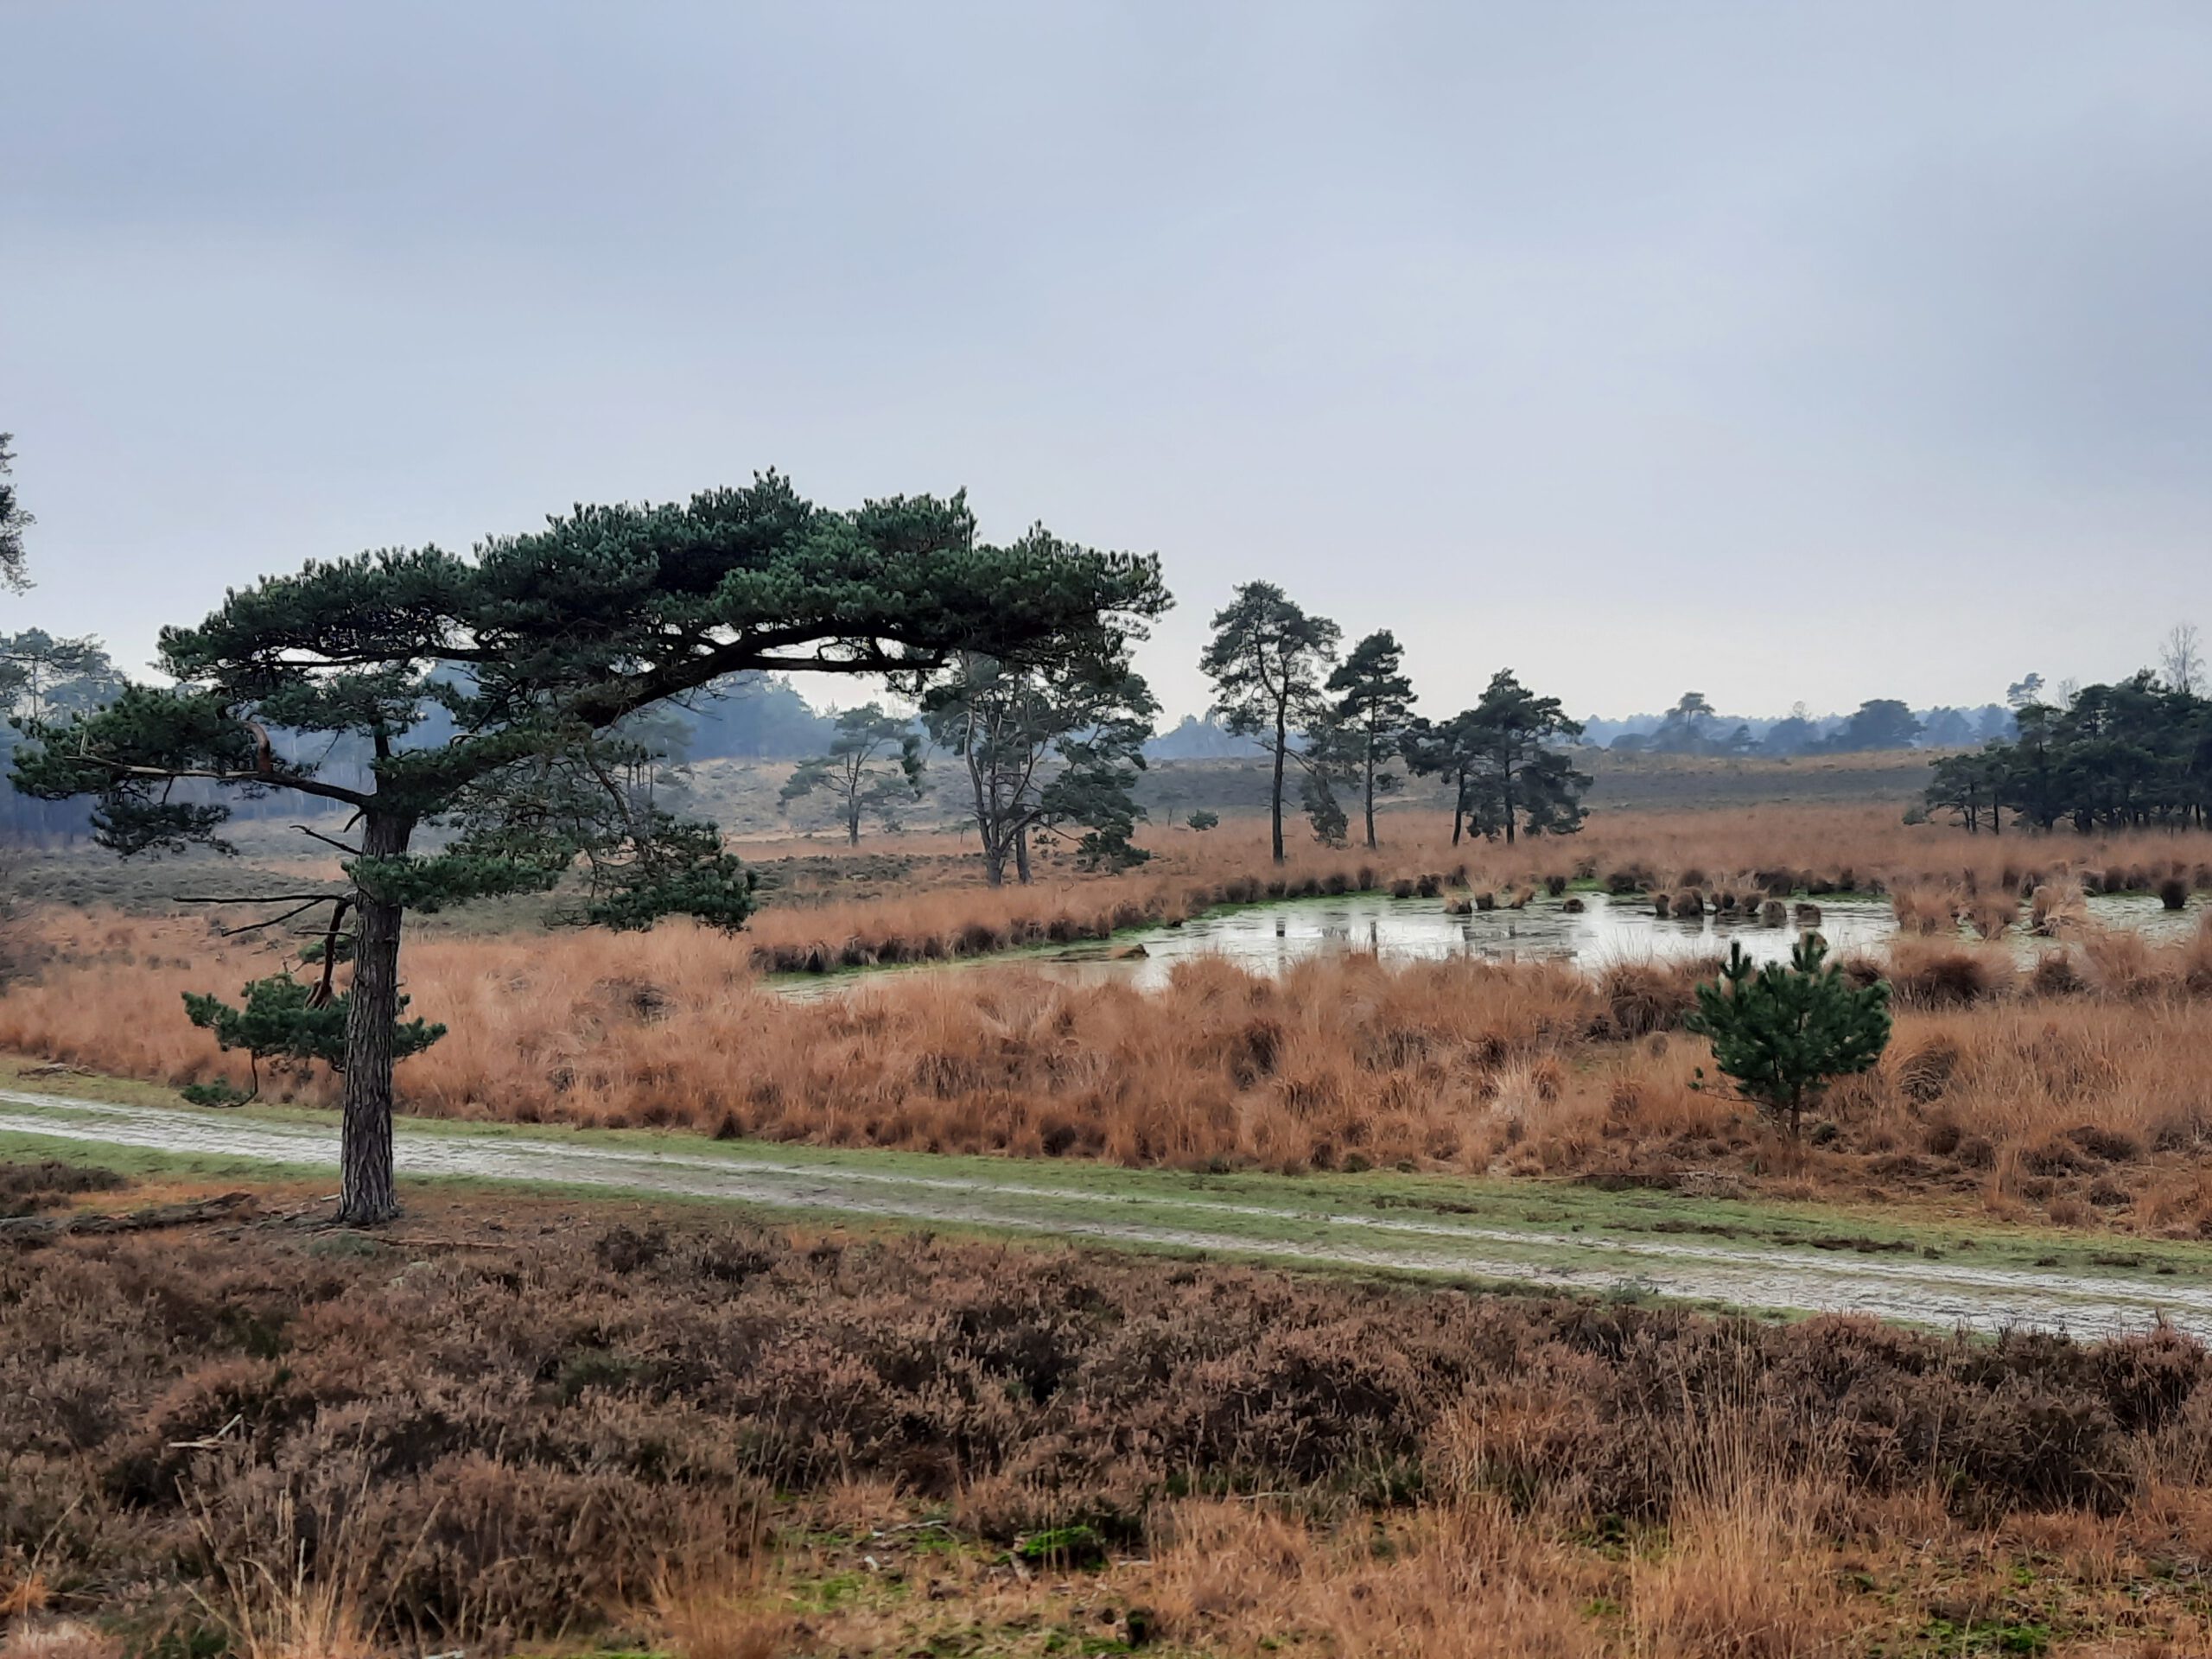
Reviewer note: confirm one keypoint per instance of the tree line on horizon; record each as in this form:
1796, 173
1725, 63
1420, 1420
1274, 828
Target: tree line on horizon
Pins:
1695, 726
2134, 754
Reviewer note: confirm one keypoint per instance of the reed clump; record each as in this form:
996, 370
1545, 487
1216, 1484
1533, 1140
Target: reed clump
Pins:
1926, 911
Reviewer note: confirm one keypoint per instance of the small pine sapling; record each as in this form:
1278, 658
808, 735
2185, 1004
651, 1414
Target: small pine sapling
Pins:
1783, 1030
281, 1020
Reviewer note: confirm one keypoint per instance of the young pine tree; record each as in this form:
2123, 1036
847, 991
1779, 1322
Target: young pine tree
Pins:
1783, 1032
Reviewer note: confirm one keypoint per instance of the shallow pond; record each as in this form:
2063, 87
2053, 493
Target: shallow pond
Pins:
1267, 937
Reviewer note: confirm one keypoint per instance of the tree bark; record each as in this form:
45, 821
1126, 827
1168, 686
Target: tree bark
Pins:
1021, 854
986, 823
1371, 797
367, 1194
1282, 740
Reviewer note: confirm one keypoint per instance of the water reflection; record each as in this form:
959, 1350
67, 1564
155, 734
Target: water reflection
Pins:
1267, 938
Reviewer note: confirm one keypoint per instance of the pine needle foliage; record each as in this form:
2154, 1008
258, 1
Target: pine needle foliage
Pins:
280, 1019
1783, 1030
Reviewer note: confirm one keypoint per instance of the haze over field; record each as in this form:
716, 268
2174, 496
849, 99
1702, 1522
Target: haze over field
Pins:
1636, 347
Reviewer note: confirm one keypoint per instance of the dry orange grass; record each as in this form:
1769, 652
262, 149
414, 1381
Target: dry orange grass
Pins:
1865, 847
2089, 1089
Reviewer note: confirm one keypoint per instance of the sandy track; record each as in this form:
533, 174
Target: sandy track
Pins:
791, 1181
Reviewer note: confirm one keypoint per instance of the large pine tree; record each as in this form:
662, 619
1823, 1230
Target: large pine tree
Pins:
535, 650
1269, 662
1503, 762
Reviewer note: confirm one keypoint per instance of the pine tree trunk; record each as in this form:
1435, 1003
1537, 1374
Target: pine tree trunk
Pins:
1283, 739
1370, 802
366, 1192
987, 824
1021, 854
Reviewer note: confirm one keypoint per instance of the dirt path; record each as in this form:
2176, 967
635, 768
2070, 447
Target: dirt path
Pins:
2083, 1293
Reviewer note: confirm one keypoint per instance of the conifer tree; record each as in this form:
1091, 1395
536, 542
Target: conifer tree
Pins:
1784, 1031
1371, 715
873, 763
1051, 751
1268, 661
1501, 758
14, 521
1519, 776
534, 651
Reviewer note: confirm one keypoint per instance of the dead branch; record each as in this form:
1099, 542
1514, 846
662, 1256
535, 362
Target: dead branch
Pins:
32, 1231
328, 840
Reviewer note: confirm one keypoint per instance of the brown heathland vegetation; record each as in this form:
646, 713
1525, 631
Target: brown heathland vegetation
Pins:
514, 1422
2079, 1087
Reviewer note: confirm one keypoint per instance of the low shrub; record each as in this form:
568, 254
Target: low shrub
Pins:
528, 1434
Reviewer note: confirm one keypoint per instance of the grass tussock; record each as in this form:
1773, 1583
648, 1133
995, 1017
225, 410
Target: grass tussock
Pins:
1925, 911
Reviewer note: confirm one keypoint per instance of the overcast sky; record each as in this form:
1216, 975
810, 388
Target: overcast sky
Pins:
1783, 352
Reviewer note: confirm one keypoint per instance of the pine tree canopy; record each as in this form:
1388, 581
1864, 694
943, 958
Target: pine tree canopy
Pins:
14, 521
536, 648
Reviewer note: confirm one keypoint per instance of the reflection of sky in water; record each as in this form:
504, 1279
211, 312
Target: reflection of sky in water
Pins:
1265, 939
